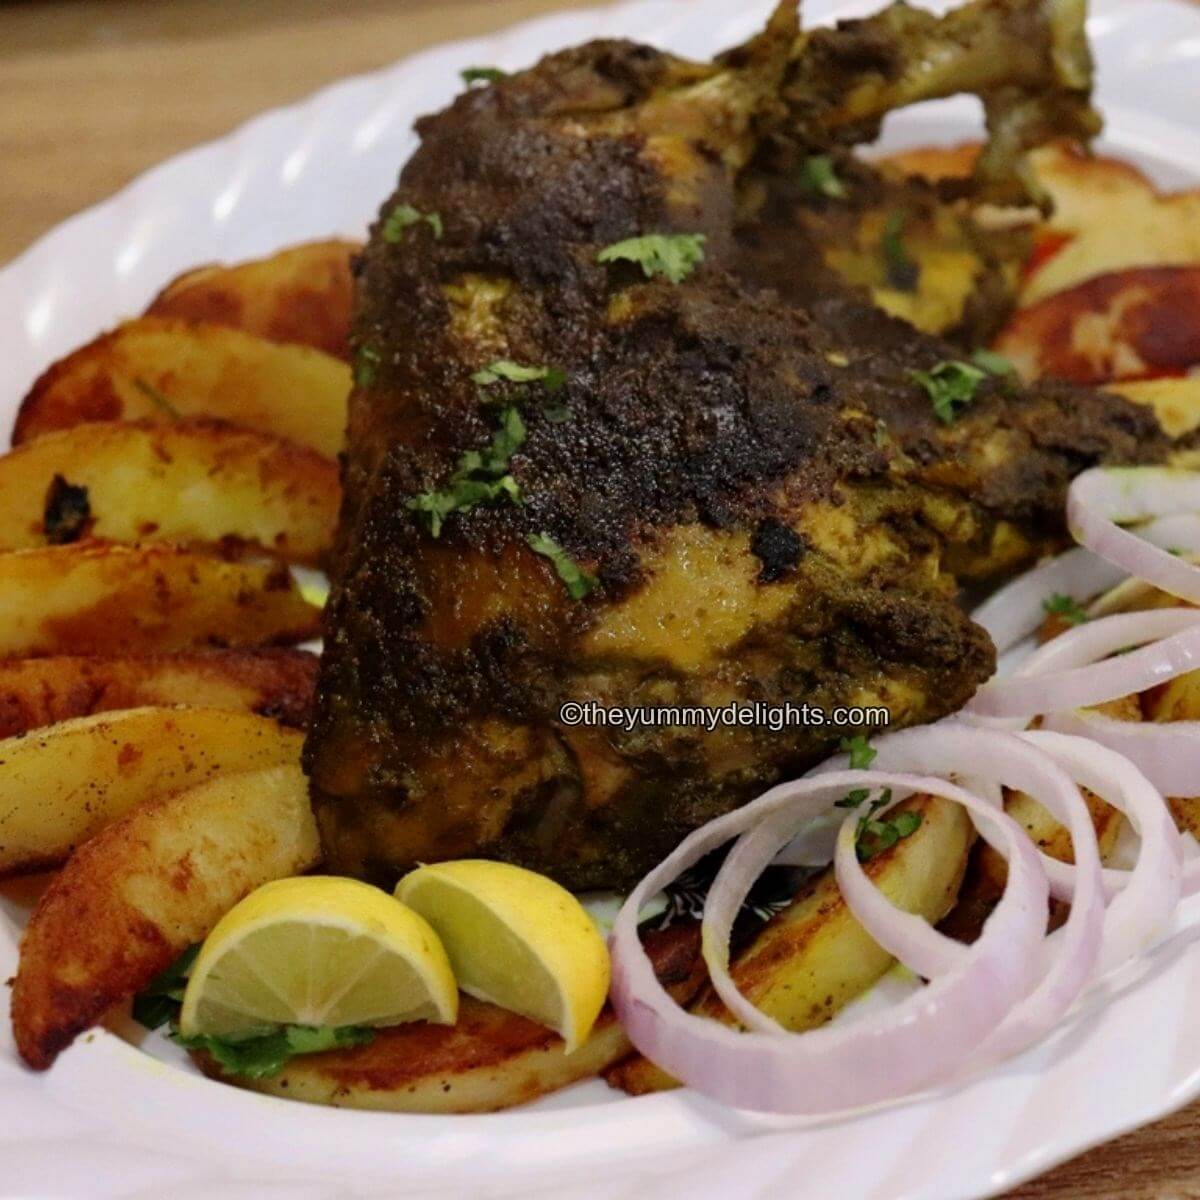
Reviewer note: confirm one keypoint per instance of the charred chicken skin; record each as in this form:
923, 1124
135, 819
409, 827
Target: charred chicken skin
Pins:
710, 476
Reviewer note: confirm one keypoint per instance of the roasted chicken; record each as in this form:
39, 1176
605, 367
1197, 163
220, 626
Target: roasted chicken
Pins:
622, 433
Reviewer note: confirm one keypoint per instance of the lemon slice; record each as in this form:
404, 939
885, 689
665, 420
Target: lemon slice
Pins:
317, 950
516, 939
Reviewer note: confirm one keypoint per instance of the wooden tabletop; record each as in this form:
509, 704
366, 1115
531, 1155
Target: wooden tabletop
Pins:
92, 93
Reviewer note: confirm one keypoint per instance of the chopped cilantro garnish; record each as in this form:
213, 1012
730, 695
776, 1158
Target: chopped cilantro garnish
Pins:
1060, 605
818, 177
579, 582
156, 398
853, 798
403, 217
366, 366
872, 837
158, 1002
902, 270
67, 512
551, 378
993, 363
673, 255
860, 751
480, 477
267, 1054
482, 74
949, 384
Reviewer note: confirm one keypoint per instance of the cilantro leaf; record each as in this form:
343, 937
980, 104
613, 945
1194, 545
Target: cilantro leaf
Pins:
993, 363
872, 837
902, 271
1060, 605
818, 177
551, 378
673, 255
403, 217
853, 798
366, 366
66, 513
158, 1002
481, 477
579, 582
949, 384
482, 74
258, 1057
861, 754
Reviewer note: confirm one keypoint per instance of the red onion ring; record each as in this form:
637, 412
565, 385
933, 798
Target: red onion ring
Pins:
907, 1047
1083, 675
1101, 500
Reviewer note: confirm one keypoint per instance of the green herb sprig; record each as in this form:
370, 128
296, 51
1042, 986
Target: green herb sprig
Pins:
1067, 607
503, 369
579, 582
267, 1054
861, 753
481, 477
472, 75
366, 366
403, 217
672, 255
950, 385
818, 177
902, 270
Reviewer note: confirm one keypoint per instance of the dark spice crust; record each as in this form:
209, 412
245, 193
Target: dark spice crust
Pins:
715, 404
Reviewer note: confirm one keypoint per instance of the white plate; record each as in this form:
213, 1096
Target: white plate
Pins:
110, 1120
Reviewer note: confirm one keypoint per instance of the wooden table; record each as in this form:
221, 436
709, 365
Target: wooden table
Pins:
92, 93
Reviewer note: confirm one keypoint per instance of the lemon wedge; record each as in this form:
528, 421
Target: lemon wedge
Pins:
317, 950
516, 939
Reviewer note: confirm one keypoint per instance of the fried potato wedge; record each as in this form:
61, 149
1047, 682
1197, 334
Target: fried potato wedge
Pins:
197, 482
490, 1059
62, 784
162, 369
301, 294
1176, 403
814, 958
100, 598
139, 893
1123, 325
41, 691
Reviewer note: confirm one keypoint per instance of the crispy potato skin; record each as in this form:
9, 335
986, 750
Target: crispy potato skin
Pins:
814, 958
61, 785
276, 683
161, 369
301, 294
1123, 325
490, 1059
102, 598
195, 482
140, 892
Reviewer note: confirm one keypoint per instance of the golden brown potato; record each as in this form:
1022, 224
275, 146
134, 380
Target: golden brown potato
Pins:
40, 691
101, 598
814, 958
62, 784
139, 893
490, 1059
300, 294
197, 482
1123, 325
162, 369
1176, 403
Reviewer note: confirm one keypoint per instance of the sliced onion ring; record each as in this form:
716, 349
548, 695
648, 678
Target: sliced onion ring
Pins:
1072, 671
905, 1048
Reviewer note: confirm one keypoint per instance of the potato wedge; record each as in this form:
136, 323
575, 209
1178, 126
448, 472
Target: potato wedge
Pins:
40, 691
1176, 402
814, 958
162, 369
490, 1059
137, 895
61, 785
1123, 325
99, 598
300, 294
197, 482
